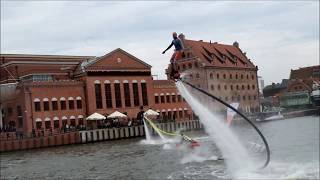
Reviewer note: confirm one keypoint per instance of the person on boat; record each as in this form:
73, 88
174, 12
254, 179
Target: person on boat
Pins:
178, 53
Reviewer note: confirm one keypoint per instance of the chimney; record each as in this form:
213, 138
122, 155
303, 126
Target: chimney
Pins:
236, 44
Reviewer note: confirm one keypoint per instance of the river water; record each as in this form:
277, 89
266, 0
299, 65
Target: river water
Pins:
294, 145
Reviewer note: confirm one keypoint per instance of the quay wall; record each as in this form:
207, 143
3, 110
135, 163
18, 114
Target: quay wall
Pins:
11, 143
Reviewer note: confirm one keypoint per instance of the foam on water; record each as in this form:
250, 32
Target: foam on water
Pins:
236, 155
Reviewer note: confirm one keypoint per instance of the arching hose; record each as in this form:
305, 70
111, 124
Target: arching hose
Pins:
158, 129
235, 110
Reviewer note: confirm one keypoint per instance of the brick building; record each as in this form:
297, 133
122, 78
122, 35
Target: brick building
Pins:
223, 70
49, 91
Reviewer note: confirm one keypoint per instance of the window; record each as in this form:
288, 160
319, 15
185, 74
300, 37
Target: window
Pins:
252, 77
184, 66
247, 76
169, 115
230, 76
156, 99
39, 125
37, 106
144, 94
173, 97
71, 103
180, 114
219, 87
20, 118
56, 124
232, 98
79, 104
168, 98
244, 98
224, 76
239, 98
242, 87
249, 97
127, 100
197, 75
54, 105
191, 76
248, 87
253, 87
241, 76
196, 64
217, 76
225, 87
46, 105
117, 93
63, 105
231, 87
47, 124
162, 98
211, 76
135, 89
236, 76
108, 94
237, 86
179, 98
98, 96
212, 87
189, 65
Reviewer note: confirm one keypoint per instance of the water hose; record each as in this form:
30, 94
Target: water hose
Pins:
235, 110
158, 129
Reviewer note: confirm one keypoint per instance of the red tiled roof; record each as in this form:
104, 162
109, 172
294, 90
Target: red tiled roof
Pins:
214, 54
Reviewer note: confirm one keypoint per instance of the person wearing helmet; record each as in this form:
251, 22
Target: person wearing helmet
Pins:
178, 51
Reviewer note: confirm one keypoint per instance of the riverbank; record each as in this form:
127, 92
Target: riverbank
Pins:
89, 136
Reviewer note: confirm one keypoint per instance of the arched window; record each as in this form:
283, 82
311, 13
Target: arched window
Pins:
224, 76
252, 77
211, 75
231, 87
236, 76
225, 87
218, 76
253, 87
71, 102
218, 86
156, 98
241, 76
212, 87
79, 102
248, 87
54, 103
63, 105
247, 76
237, 86
45, 104
230, 76
242, 87
37, 106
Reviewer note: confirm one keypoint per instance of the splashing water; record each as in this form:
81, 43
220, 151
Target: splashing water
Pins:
236, 156
149, 139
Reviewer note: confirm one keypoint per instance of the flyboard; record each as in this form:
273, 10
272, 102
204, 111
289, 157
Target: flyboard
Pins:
235, 110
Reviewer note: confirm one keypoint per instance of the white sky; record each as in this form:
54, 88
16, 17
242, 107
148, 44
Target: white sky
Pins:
277, 36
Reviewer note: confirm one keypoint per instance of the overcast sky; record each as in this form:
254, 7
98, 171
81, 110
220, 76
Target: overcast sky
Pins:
277, 36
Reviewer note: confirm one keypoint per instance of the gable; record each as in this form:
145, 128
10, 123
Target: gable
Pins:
118, 60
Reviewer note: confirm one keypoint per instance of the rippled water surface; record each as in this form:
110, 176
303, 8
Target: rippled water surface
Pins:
294, 144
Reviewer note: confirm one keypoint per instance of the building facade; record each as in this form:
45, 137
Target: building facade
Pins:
222, 70
41, 92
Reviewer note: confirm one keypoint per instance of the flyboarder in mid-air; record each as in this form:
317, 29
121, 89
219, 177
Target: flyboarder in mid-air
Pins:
178, 51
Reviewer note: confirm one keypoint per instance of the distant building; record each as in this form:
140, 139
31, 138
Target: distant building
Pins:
223, 70
296, 91
46, 92
261, 84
